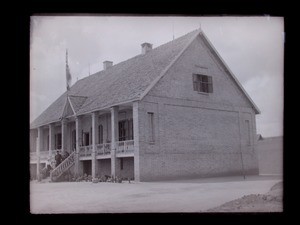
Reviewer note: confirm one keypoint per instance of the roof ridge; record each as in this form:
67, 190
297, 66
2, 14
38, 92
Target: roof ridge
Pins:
141, 55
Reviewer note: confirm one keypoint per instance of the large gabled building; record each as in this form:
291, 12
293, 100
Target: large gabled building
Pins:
170, 112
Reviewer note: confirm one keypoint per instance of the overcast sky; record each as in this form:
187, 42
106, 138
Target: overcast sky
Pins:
251, 46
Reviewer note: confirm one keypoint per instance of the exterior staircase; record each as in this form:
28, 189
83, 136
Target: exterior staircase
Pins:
63, 167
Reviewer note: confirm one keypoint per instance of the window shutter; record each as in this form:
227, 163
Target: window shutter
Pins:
195, 76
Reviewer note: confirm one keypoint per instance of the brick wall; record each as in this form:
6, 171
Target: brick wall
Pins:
198, 59
196, 135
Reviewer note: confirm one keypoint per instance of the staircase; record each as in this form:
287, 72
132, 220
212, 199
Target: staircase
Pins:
63, 167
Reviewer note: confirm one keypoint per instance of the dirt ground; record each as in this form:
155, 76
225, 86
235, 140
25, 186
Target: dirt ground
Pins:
197, 195
268, 202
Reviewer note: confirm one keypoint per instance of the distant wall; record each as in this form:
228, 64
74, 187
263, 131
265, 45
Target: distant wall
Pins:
270, 155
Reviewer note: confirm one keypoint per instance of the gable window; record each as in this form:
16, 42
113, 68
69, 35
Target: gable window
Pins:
202, 83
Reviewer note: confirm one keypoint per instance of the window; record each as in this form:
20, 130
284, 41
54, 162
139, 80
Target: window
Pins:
248, 132
122, 130
126, 130
48, 146
100, 133
86, 139
151, 126
73, 139
57, 138
91, 133
202, 83
130, 129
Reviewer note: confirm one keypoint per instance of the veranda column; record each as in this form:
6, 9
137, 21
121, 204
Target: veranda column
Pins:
38, 150
78, 141
51, 138
63, 135
94, 142
114, 138
135, 116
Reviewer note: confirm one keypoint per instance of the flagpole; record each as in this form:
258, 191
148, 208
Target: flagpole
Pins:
67, 73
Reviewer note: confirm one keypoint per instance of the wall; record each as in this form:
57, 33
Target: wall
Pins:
104, 167
128, 168
196, 135
270, 155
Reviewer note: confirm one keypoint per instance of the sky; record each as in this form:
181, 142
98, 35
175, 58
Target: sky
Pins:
252, 47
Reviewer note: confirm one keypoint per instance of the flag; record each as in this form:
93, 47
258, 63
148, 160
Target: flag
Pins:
68, 73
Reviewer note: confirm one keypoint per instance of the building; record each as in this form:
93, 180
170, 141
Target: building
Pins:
175, 111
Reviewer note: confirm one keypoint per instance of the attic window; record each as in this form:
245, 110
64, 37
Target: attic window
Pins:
202, 83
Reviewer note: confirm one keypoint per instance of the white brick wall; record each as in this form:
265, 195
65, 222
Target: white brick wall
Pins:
196, 135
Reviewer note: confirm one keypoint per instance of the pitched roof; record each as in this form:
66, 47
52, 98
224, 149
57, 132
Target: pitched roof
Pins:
125, 81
